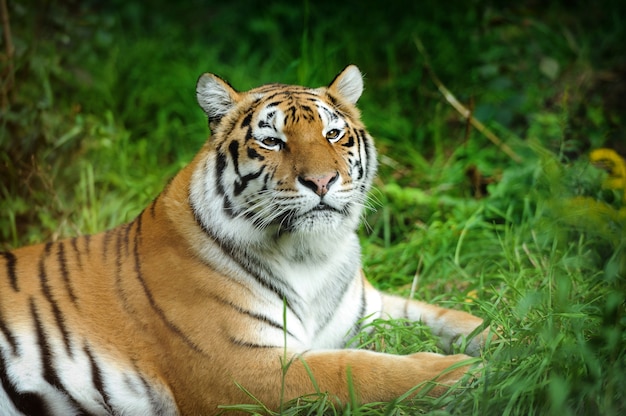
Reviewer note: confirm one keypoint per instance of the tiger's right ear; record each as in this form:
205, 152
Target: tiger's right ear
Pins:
215, 96
348, 84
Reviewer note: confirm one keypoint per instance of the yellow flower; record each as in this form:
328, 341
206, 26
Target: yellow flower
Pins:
471, 296
615, 166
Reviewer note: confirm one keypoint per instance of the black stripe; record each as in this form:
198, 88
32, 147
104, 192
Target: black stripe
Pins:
126, 240
263, 123
350, 141
335, 297
220, 166
330, 114
357, 327
74, 243
310, 114
366, 143
292, 114
361, 163
11, 262
7, 334
271, 97
153, 206
288, 95
27, 403
332, 99
233, 149
122, 240
45, 288
98, 382
253, 154
64, 272
47, 356
242, 183
363, 309
246, 344
155, 399
160, 313
259, 317
247, 120
105, 244
87, 244
363, 300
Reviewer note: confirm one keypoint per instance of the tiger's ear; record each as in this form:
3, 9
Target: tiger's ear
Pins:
215, 96
348, 84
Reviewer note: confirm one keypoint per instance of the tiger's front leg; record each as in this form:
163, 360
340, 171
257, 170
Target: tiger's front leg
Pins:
346, 374
452, 327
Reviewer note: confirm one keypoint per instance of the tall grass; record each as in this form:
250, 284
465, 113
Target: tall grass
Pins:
104, 114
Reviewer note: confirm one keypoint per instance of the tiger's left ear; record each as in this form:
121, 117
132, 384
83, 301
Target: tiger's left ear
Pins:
348, 84
216, 97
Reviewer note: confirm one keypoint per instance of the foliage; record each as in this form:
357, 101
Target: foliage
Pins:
102, 113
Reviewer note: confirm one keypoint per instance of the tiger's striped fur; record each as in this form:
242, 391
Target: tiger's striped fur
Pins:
165, 314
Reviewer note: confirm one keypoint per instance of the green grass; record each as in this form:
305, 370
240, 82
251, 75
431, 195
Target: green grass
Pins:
103, 113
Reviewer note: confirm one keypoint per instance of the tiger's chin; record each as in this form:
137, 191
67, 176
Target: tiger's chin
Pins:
318, 222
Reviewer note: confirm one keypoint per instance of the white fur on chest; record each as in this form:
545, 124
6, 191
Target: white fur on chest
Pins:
328, 290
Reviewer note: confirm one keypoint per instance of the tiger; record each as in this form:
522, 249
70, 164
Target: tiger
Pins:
241, 280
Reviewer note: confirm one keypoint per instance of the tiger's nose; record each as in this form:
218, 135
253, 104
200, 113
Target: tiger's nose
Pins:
319, 184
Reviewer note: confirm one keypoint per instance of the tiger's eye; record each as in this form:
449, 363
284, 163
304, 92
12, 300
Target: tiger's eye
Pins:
333, 134
271, 141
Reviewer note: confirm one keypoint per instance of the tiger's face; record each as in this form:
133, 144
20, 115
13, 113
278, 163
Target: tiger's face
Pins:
290, 159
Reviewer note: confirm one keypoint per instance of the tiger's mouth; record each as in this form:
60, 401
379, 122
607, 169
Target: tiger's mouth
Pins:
323, 207
320, 215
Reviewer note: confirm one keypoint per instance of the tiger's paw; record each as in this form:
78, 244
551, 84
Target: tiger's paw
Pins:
447, 371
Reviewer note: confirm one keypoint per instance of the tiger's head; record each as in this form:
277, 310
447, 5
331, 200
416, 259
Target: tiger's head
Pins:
284, 159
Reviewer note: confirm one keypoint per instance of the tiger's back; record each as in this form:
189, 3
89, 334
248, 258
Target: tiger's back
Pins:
248, 256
